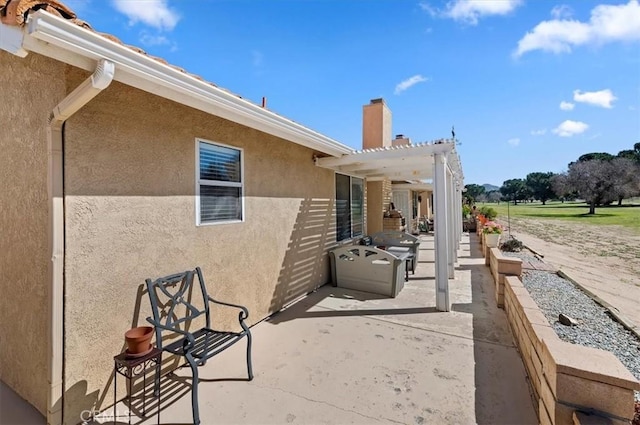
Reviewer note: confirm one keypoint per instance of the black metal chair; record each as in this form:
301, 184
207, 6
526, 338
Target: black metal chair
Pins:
198, 346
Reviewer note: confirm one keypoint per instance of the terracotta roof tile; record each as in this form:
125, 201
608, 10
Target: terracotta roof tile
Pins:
15, 12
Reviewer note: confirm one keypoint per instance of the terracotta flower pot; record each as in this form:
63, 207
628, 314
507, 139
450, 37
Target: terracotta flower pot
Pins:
138, 339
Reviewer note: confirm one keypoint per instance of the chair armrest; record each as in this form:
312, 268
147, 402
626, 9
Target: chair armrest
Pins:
186, 334
244, 313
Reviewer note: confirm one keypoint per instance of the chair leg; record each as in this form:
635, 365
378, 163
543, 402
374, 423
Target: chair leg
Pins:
194, 390
249, 367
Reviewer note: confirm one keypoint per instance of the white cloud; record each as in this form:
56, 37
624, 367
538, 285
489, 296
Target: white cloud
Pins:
514, 142
570, 128
154, 13
470, 11
608, 23
566, 106
540, 132
434, 12
561, 11
602, 98
412, 81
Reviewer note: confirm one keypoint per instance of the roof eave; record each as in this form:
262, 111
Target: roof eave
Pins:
59, 39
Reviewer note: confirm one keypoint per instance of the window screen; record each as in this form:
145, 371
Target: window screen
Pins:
220, 187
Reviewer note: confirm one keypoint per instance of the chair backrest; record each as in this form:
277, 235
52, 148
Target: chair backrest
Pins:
169, 295
366, 241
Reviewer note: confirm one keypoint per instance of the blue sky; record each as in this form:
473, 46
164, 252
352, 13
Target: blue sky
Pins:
530, 85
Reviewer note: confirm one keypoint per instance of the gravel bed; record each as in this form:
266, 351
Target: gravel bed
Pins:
555, 295
524, 255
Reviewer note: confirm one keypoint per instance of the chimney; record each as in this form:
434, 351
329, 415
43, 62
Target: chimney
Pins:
401, 140
376, 125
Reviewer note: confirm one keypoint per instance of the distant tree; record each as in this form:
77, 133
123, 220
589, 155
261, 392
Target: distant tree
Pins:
626, 178
632, 154
514, 190
602, 156
473, 192
540, 186
493, 196
594, 181
561, 187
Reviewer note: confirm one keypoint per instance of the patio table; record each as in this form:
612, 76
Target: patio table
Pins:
404, 254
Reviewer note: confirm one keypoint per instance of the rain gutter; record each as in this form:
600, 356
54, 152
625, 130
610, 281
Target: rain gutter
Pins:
60, 39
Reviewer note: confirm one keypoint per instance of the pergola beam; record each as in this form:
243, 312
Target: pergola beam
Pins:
392, 167
401, 153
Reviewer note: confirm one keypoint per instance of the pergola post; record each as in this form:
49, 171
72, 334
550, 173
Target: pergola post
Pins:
459, 215
441, 233
451, 225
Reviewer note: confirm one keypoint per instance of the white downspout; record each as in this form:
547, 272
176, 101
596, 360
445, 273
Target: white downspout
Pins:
86, 91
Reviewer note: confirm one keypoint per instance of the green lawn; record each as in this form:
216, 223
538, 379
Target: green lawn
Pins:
627, 215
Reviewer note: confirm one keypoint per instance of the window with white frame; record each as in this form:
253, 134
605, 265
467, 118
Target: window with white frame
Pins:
349, 207
219, 187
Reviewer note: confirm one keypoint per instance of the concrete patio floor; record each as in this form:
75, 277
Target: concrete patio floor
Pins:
338, 356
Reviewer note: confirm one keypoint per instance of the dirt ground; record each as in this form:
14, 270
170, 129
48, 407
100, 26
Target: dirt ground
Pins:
604, 259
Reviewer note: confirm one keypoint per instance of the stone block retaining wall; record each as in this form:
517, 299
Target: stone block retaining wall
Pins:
565, 378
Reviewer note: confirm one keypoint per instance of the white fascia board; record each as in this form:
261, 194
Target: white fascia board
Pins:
11, 38
60, 39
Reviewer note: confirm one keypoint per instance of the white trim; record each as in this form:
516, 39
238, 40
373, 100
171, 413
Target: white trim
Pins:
60, 39
11, 39
418, 187
400, 163
202, 182
402, 152
364, 206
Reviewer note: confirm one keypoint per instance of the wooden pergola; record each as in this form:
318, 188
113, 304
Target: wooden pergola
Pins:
435, 163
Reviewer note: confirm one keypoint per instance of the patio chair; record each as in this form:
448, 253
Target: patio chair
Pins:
196, 346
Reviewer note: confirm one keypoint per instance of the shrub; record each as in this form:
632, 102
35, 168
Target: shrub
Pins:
512, 245
488, 212
466, 211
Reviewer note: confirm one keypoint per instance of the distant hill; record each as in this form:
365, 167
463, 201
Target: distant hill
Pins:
490, 188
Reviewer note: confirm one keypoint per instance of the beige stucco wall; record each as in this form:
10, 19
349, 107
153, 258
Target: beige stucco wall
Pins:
375, 207
425, 205
30, 89
130, 215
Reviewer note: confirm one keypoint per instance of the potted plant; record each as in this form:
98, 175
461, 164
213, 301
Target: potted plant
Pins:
492, 231
480, 221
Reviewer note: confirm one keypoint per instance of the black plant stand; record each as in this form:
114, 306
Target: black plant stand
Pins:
130, 367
